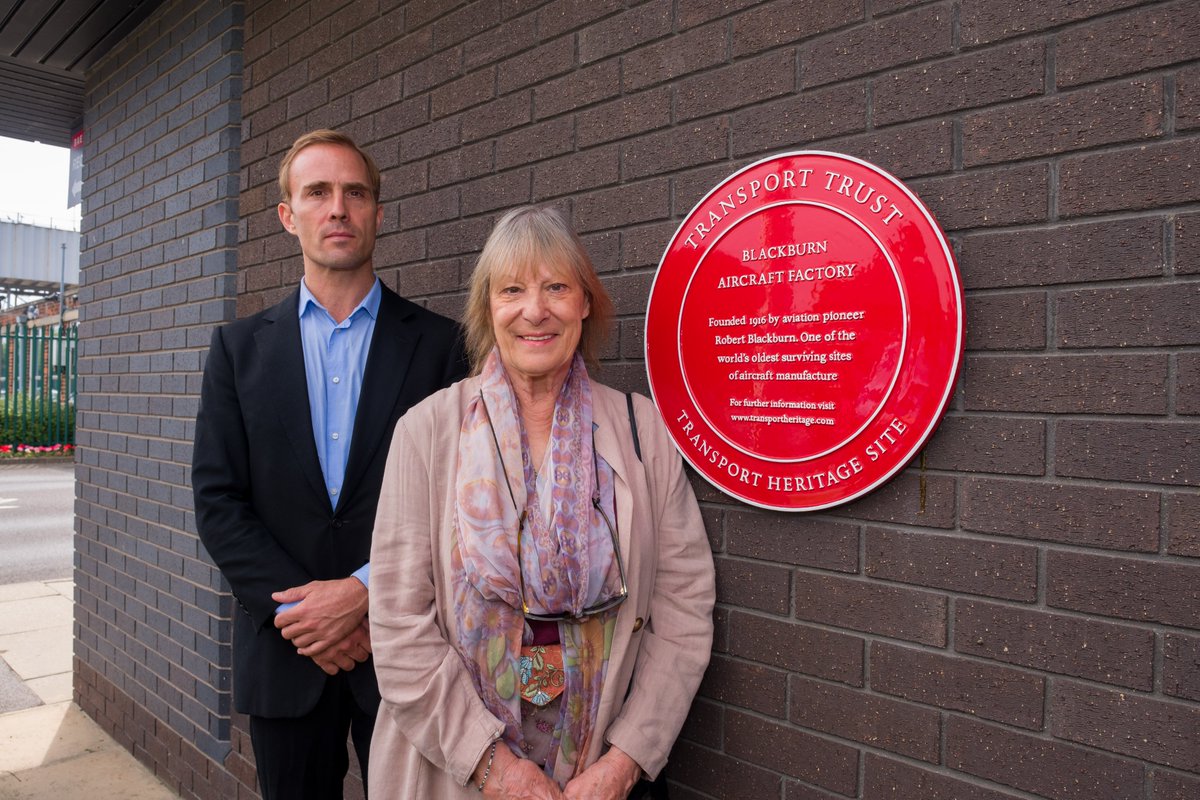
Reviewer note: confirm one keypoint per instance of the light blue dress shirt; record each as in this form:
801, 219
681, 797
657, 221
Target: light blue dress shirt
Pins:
335, 358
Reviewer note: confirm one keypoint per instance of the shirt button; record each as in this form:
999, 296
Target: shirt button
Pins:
333, 435
336, 379
333, 490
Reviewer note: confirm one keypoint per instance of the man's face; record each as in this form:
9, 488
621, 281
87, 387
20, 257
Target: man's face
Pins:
331, 209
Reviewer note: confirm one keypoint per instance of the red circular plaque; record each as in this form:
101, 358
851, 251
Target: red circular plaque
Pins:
804, 331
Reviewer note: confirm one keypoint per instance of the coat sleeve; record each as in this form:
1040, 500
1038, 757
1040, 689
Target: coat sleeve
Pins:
241, 546
425, 686
677, 641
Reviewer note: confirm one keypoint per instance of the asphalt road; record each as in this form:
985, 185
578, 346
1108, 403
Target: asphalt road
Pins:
37, 501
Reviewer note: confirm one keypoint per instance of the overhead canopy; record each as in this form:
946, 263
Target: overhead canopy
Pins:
46, 49
33, 260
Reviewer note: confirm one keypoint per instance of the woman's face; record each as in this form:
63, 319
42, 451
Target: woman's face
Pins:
537, 318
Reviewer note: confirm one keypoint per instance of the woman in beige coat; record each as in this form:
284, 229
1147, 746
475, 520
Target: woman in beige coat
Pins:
541, 592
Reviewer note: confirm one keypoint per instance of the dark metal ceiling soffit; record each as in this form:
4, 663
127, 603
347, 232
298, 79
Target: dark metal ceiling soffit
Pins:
46, 48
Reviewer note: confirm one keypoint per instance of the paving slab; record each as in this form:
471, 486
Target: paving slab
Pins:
17, 616
96, 776
25, 591
46, 734
36, 654
52, 688
56, 752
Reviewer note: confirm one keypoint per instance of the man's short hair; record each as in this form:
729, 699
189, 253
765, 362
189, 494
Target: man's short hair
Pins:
324, 136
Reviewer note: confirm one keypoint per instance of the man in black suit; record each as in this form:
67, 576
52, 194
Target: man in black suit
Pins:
296, 414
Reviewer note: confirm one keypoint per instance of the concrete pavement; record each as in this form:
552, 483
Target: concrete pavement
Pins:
49, 749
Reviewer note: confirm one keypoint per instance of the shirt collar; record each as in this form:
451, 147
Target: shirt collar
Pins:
370, 303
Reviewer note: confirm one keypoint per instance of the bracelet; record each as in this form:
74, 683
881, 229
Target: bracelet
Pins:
487, 770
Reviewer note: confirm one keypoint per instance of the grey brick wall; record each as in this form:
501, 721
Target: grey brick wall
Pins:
158, 264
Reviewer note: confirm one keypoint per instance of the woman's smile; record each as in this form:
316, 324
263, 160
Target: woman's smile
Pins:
537, 319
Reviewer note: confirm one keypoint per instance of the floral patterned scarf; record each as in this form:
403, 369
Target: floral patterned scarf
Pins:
567, 560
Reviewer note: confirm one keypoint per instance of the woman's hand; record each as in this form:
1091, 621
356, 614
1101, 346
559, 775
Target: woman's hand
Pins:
513, 778
612, 777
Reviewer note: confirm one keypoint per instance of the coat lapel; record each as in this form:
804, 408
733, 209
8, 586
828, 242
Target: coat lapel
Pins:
610, 428
283, 354
392, 347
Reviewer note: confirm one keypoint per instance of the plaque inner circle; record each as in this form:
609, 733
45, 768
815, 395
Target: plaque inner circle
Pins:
798, 314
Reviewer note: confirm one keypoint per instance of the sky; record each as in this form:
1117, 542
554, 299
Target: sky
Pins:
33, 183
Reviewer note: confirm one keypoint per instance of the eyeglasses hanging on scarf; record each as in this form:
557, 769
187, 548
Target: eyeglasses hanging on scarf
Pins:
601, 605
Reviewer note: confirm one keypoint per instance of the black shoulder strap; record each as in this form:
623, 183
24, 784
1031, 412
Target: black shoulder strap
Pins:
637, 444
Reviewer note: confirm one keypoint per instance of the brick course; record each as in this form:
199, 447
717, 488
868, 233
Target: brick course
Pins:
1146, 452
1125, 588
1172, 786
1089, 252
1181, 666
869, 718
1005, 445
984, 22
824, 543
992, 569
872, 607
1083, 515
974, 687
1145, 316
792, 752
889, 778
1161, 175
745, 685
1151, 730
1057, 643
1107, 384
1005, 72
1007, 321
918, 35
1045, 768
1161, 34
1068, 121
805, 649
1183, 529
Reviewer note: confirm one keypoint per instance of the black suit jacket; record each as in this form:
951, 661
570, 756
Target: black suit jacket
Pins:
262, 509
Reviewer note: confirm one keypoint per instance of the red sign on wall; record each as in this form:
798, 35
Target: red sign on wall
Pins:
804, 331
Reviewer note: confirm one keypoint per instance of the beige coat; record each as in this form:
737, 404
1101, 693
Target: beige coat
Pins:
432, 727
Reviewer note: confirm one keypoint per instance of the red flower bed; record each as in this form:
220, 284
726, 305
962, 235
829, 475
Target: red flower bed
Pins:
33, 450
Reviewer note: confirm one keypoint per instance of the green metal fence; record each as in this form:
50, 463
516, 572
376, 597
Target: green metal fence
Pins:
37, 385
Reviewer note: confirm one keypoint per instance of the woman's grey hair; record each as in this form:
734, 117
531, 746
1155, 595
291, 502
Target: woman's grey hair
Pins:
523, 239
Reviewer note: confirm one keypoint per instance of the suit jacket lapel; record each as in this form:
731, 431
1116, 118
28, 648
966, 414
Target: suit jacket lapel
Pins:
392, 347
283, 356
